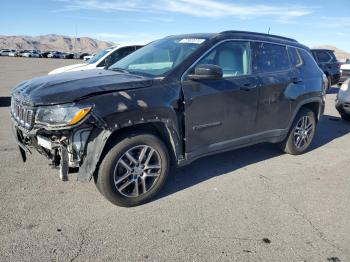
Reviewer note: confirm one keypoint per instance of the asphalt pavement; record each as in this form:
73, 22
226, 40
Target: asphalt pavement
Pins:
252, 204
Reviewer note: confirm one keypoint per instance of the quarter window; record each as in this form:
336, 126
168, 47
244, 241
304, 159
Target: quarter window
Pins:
269, 58
232, 57
295, 57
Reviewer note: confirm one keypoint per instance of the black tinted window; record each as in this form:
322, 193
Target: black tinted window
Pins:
323, 56
270, 57
295, 57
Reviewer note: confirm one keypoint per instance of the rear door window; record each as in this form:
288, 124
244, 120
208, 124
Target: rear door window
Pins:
270, 57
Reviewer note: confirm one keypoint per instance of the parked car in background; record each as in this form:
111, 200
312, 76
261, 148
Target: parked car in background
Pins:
54, 54
80, 55
5, 52
327, 61
14, 53
342, 102
175, 100
45, 54
87, 57
33, 53
21, 52
344, 71
68, 56
105, 58
62, 55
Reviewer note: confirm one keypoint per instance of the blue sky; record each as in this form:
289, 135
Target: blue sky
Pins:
311, 22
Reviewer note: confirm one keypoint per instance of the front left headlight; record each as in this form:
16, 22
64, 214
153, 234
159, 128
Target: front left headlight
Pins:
61, 115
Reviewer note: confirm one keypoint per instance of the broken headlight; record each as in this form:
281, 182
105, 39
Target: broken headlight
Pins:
61, 115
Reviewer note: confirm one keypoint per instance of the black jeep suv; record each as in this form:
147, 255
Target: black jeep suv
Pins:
327, 61
173, 101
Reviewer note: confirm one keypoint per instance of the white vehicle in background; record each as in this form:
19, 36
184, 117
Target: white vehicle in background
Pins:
88, 57
33, 53
14, 53
104, 58
5, 52
344, 71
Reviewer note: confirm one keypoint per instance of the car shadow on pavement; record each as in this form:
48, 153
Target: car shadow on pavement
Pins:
329, 128
5, 101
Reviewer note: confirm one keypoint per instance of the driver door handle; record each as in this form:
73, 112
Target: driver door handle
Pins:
247, 86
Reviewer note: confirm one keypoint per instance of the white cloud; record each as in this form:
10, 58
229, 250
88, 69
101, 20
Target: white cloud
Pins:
200, 8
339, 22
125, 39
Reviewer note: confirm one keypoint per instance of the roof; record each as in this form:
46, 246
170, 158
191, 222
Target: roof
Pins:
259, 34
244, 35
321, 49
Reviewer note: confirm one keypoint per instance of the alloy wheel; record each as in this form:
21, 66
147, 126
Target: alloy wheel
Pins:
303, 132
137, 171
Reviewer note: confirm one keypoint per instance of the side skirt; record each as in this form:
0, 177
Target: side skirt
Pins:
274, 136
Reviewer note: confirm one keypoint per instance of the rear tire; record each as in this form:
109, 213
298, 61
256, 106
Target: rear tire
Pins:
301, 133
134, 170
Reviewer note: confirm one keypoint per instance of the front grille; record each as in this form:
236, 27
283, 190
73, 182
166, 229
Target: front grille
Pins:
23, 115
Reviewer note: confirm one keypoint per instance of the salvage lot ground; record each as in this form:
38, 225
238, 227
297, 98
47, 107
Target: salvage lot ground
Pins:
253, 204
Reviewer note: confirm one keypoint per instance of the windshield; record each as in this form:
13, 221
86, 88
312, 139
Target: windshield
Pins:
159, 57
98, 56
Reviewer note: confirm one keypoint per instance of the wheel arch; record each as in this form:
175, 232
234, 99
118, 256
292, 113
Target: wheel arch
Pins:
316, 105
159, 129
105, 139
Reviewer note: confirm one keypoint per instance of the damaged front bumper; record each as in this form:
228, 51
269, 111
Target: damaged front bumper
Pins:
77, 147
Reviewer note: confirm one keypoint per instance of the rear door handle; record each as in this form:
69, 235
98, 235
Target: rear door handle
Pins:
247, 87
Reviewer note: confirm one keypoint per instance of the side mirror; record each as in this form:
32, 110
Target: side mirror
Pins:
108, 62
206, 72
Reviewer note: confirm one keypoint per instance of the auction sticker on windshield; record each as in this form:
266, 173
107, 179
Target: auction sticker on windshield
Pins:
191, 41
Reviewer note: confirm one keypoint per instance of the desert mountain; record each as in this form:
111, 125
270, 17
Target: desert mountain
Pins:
54, 42
340, 54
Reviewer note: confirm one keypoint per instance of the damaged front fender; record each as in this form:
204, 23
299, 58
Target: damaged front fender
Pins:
94, 149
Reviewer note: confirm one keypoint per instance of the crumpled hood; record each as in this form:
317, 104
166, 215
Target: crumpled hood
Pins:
72, 86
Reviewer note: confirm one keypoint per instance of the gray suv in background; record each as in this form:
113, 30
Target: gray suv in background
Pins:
327, 61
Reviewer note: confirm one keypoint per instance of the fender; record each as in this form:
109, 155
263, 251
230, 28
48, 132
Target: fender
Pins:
302, 103
98, 139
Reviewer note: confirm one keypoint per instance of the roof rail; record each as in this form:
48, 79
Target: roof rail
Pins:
260, 34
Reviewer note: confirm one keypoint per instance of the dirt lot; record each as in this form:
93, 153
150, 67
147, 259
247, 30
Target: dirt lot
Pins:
254, 204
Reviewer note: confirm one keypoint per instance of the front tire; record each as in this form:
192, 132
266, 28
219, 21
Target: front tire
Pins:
301, 133
134, 170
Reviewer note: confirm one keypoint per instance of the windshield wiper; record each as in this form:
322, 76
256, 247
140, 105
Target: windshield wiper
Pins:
119, 69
